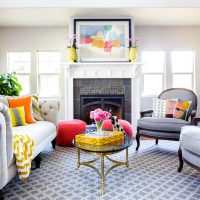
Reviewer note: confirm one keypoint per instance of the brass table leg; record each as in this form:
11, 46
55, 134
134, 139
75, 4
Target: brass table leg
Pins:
78, 161
102, 174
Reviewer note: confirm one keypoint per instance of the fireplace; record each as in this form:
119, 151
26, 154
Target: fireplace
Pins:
103, 78
107, 94
112, 103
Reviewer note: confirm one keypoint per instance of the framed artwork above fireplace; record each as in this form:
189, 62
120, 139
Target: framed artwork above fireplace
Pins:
102, 40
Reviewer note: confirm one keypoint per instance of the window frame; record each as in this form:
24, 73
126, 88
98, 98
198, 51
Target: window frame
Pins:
163, 74
21, 73
183, 73
39, 74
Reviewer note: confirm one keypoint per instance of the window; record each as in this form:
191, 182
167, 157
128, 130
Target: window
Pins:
49, 73
182, 69
20, 62
153, 72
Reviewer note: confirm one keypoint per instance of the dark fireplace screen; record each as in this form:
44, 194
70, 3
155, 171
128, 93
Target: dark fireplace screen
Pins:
112, 103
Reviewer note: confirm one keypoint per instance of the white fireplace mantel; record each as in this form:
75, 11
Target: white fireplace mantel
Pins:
103, 70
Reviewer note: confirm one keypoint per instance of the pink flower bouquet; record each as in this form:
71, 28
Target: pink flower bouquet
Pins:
99, 116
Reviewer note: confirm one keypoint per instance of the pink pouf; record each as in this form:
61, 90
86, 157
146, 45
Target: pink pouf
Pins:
67, 130
125, 124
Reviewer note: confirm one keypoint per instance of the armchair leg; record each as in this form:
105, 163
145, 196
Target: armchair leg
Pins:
180, 160
54, 143
1, 194
37, 160
138, 139
156, 141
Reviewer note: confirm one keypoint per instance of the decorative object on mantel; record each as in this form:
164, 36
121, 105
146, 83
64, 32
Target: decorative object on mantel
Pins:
72, 49
99, 116
103, 39
133, 49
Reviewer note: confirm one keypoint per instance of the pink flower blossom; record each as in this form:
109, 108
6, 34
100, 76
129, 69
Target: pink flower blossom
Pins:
107, 114
72, 41
97, 119
134, 41
99, 115
92, 115
102, 116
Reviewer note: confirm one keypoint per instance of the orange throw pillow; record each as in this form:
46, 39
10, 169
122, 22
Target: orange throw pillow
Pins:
26, 102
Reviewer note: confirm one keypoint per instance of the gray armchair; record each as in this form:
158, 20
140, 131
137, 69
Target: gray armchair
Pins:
166, 128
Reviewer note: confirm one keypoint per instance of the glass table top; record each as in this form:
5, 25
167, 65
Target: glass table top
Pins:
111, 147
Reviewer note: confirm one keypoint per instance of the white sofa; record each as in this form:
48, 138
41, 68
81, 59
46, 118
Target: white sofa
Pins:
43, 132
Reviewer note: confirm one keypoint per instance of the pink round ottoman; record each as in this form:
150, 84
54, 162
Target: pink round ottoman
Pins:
125, 124
67, 130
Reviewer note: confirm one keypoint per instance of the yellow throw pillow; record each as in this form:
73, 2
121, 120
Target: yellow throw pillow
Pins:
17, 116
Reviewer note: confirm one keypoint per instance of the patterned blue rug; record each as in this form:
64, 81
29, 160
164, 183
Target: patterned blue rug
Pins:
153, 175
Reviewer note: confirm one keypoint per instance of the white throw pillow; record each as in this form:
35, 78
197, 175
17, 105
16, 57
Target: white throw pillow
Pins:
159, 108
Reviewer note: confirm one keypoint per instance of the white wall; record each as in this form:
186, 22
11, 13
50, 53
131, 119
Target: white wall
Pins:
153, 38
33, 39
167, 39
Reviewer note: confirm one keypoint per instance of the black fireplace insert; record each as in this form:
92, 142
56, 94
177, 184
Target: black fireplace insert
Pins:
113, 103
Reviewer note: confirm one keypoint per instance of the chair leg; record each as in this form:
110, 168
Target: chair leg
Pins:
138, 139
156, 141
54, 143
1, 194
37, 160
180, 160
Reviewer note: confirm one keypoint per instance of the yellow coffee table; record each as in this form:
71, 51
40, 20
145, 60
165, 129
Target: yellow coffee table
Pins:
102, 152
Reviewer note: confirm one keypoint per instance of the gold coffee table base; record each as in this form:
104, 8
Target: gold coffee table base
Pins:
101, 155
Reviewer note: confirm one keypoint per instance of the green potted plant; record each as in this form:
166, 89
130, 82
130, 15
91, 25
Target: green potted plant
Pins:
9, 84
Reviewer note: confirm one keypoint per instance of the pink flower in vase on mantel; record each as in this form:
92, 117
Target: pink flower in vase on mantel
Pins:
99, 116
133, 42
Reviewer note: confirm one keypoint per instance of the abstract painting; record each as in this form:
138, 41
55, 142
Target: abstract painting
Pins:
102, 39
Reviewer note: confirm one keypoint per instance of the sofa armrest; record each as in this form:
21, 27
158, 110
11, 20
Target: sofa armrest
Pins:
49, 110
146, 113
6, 144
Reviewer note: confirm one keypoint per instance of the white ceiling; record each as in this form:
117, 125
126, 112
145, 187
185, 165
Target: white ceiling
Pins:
61, 16
99, 4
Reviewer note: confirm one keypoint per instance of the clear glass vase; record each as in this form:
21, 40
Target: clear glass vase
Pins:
99, 126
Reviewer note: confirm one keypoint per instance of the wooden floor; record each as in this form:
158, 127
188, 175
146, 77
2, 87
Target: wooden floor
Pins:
146, 138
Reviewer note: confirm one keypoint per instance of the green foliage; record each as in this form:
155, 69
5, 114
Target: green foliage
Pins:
9, 84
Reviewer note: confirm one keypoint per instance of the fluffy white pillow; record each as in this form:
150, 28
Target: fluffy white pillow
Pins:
159, 108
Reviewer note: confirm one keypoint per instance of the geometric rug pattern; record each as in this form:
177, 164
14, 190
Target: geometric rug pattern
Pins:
153, 176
